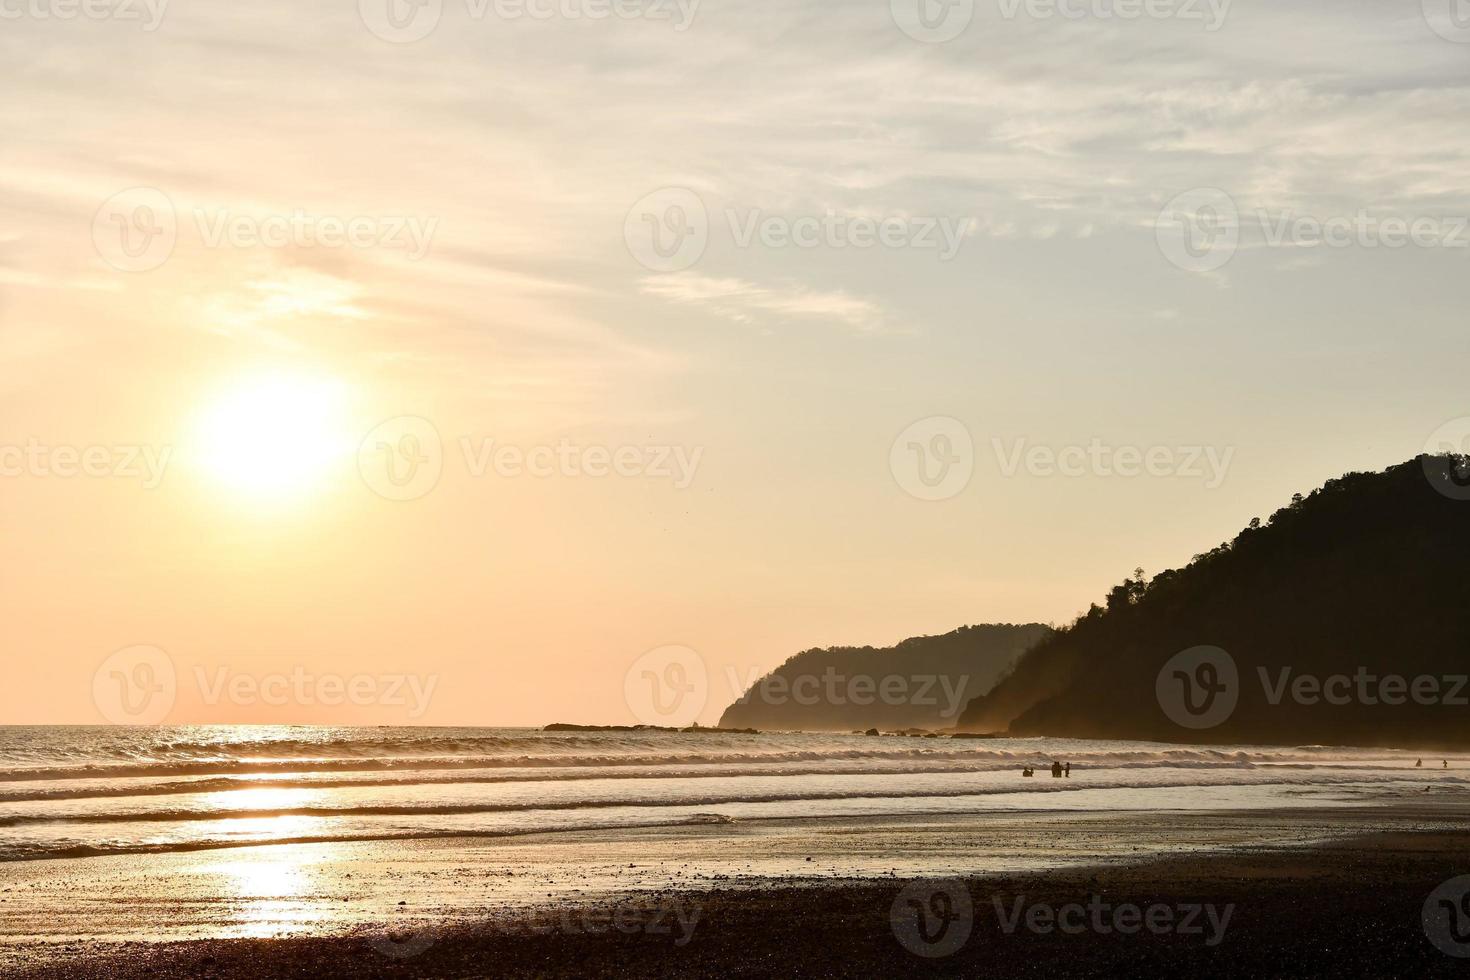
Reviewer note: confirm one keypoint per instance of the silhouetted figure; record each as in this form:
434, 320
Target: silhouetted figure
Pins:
1028, 771
1068, 771
1056, 770
1419, 764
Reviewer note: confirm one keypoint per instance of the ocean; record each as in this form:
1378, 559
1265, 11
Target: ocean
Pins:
70, 792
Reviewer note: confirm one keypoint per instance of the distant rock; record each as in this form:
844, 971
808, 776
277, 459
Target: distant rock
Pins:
921, 684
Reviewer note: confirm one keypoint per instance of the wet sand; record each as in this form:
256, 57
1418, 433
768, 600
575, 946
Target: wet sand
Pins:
1321, 893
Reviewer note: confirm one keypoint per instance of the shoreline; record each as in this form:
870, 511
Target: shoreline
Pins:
1304, 888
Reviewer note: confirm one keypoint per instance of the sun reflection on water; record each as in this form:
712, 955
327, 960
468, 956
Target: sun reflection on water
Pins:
279, 891
262, 798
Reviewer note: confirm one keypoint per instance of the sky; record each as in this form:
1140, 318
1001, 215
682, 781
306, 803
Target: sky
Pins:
514, 353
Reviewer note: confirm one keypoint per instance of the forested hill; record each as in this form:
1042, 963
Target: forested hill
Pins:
1364, 579
922, 682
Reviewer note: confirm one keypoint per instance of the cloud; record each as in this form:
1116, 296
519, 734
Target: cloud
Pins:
746, 302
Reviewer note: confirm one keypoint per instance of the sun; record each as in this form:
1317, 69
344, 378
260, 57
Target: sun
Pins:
275, 437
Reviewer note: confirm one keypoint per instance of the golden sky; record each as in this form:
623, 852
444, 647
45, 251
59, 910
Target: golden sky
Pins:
327, 353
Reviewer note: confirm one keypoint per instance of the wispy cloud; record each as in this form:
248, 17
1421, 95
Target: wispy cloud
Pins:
749, 303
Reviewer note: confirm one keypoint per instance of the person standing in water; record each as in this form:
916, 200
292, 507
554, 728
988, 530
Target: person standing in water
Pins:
1068, 770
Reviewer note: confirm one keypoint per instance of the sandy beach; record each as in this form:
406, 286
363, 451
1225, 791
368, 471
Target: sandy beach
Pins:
1283, 893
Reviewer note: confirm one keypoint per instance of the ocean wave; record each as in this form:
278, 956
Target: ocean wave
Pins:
688, 757
794, 795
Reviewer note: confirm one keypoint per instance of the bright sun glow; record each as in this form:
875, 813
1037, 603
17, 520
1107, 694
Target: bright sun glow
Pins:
275, 437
